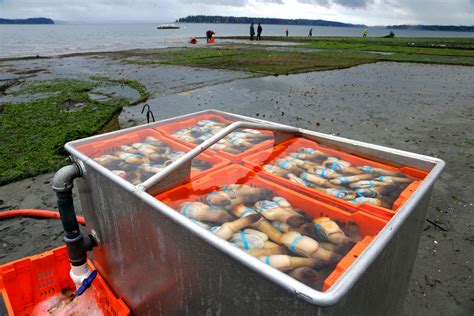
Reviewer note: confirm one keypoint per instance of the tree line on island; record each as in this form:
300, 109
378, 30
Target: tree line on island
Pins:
248, 20
447, 28
27, 21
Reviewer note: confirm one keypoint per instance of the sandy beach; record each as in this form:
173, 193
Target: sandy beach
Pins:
426, 109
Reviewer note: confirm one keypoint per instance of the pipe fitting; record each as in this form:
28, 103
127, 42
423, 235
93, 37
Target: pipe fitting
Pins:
79, 273
64, 177
77, 244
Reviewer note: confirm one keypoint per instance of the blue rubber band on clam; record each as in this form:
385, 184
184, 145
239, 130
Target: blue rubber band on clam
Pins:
207, 197
185, 209
283, 164
367, 169
248, 210
293, 244
278, 226
267, 260
244, 240
307, 150
323, 172
268, 204
342, 179
341, 193
269, 167
319, 232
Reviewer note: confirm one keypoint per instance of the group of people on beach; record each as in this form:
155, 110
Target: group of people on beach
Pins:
260, 29
259, 32
211, 33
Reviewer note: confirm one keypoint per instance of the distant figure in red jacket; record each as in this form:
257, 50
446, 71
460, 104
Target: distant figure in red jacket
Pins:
209, 35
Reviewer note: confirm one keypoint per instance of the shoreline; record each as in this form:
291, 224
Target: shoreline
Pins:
183, 42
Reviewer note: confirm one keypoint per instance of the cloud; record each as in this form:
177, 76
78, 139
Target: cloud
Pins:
344, 3
232, 3
370, 12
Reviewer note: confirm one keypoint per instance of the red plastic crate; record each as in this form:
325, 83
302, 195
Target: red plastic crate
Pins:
171, 127
100, 147
197, 190
26, 282
269, 155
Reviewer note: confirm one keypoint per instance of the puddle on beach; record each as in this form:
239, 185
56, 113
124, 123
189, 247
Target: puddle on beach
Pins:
103, 93
30, 97
107, 93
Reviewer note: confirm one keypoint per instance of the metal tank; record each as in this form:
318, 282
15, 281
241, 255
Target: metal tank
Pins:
161, 263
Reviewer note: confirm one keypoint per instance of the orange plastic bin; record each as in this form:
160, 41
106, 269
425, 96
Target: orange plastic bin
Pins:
269, 155
170, 128
198, 189
97, 148
26, 282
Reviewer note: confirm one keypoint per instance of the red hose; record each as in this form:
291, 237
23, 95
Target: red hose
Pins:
36, 213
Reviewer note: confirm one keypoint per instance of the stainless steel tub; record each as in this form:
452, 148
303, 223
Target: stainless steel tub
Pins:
161, 263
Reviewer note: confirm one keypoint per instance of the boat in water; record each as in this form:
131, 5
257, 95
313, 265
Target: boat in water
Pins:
168, 27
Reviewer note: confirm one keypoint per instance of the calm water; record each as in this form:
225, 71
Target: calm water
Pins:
28, 40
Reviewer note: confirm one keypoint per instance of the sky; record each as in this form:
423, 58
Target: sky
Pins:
369, 12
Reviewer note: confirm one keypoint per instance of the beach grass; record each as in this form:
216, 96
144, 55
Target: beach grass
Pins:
33, 132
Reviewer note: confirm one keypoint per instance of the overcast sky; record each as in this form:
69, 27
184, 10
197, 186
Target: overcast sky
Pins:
370, 12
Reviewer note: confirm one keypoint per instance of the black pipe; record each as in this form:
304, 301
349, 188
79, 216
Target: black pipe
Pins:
77, 244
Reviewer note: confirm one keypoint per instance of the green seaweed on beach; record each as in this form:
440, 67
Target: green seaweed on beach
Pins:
258, 60
33, 133
453, 51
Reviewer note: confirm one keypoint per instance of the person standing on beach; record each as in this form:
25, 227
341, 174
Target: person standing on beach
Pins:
259, 32
252, 31
310, 32
286, 31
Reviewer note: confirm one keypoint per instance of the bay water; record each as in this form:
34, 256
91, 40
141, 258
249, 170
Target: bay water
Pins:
49, 40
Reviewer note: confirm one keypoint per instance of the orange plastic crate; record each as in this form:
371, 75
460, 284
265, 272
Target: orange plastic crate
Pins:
197, 190
345, 263
269, 155
100, 147
172, 127
26, 282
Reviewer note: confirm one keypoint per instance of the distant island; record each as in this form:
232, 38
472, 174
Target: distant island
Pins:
248, 20
452, 28
27, 21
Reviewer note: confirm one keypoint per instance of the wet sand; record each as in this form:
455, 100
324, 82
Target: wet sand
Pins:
426, 109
